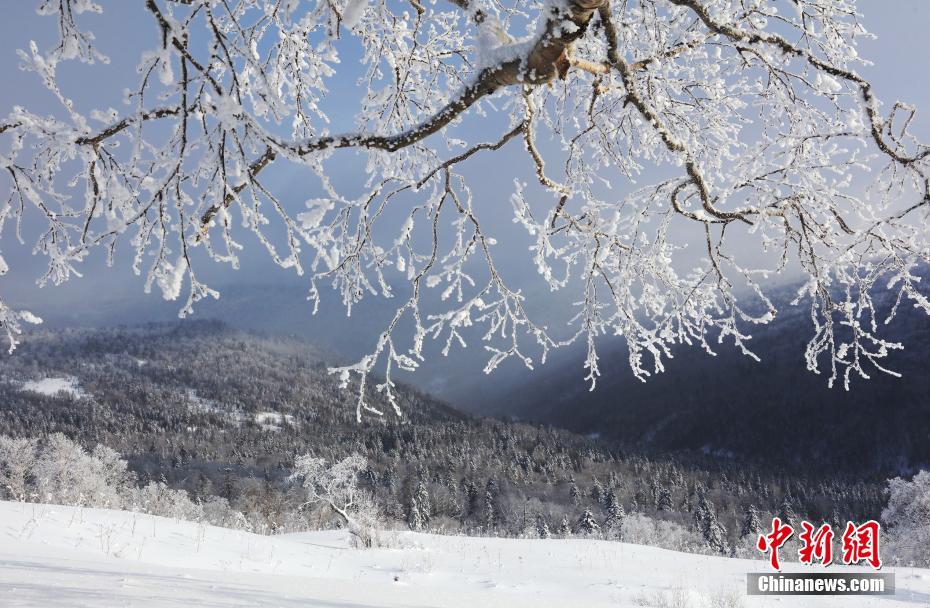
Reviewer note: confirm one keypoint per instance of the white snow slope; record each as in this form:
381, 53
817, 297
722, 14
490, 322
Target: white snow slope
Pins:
64, 556
53, 386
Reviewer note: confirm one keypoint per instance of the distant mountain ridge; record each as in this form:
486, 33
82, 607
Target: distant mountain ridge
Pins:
774, 411
282, 309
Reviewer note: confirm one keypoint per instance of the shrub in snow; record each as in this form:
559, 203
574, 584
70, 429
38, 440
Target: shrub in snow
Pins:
643, 530
217, 512
60, 471
157, 498
681, 598
66, 474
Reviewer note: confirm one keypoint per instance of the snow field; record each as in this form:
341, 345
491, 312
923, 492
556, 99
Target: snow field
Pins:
66, 556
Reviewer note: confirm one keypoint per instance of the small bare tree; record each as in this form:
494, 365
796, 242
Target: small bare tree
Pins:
336, 487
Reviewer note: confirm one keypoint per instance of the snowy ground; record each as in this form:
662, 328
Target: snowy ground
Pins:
62, 556
53, 386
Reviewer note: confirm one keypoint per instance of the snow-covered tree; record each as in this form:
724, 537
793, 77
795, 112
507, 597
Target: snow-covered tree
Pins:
418, 513
615, 513
490, 507
542, 527
336, 487
752, 525
573, 493
217, 512
156, 498
908, 518
110, 475
654, 492
664, 500
66, 474
786, 511
422, 497
713, 532
587, 524
746, 126
60, 471
17, 458
597, 492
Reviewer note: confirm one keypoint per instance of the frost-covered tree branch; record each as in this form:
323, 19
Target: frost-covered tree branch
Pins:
753, 112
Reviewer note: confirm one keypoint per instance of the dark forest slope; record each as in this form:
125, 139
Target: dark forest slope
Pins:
772, 411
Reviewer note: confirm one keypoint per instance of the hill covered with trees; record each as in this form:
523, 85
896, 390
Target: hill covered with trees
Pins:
219, 412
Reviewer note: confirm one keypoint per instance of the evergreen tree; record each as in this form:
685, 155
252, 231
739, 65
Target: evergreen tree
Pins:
414, 517
654, 493
423, 502
227, 492
587, 524
470, 489
615, 512
786, 511
597, 491
573, 492
665, 500
613, 479
490, 514
418, 506
542, 528
611, 504
713, 532
455, 507
752, 525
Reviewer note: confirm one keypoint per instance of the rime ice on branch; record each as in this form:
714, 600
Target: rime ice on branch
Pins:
755, 110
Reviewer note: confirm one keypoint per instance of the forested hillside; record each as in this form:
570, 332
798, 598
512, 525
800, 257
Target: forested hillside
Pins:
220, 412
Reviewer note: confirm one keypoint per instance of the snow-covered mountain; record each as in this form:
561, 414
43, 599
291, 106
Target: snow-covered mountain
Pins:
64, 556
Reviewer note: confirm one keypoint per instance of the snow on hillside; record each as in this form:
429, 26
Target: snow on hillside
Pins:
53, 386
65, 556
273, 421
269, 420
212, 407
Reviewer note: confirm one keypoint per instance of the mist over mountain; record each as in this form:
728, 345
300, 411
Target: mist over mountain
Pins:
282, 309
